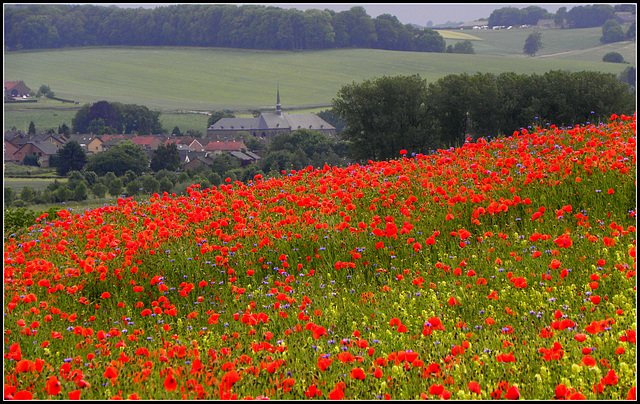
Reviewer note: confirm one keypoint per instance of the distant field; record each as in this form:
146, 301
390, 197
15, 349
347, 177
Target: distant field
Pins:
457, 34
38, 184
205, 79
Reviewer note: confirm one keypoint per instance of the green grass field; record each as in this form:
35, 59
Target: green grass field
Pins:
172, 79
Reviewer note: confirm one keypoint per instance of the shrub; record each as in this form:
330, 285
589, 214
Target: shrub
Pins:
613, 57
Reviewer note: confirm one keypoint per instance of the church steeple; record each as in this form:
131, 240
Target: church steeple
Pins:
278, 106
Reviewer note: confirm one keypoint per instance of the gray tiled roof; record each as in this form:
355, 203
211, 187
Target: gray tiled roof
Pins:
236, 123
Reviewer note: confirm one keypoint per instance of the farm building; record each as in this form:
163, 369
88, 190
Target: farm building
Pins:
16, 89
269, 124
625, 17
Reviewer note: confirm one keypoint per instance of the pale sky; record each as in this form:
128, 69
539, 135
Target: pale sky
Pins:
407, 13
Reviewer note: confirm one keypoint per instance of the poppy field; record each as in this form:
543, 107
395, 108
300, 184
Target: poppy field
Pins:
503, 269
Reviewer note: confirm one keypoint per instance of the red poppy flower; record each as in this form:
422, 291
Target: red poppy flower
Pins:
588, 360
358, 374
512, 394
436, 389
170, 383
74, 395
474, 387
53, 386
337, 393
110, 372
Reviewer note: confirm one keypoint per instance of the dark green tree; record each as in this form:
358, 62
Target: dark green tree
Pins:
99, 190
27, 194
32, 128
70, 157
119, 159
115, 187
559, 17
465, 47
631, 32
613, 57
430, 40
80, 191
33, 161
612, 32
215, 116
628, 76
533, 44
165, 158
384, 116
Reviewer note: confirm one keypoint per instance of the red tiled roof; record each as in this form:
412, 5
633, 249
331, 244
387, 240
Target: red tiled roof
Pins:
9, 84
140, 140
225, 146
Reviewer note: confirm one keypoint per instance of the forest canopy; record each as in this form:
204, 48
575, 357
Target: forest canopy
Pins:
213, 25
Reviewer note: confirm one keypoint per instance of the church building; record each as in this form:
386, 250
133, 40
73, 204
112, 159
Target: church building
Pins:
268, 124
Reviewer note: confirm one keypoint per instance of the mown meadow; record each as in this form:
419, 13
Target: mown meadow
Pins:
505, 268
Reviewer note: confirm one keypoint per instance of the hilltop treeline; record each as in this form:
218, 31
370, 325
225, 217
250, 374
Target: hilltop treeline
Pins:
387, 114
577, 17
212, 25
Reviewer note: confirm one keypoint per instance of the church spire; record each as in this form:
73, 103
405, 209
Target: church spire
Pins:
278, 106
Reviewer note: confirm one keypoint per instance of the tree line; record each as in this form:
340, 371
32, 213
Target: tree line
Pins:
388, 114
212, 25
577, 17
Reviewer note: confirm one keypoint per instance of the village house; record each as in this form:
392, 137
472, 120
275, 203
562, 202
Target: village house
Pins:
9, 150
89, 143
268, 124
148, 143
217, 147
16, 89
43, 150
191, 143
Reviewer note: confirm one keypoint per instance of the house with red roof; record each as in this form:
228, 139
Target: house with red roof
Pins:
217, 147
148, 143
15, 89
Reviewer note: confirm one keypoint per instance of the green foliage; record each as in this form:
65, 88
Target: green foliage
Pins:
628, 76
33, 161
507, 16
132, 188
589, 16
46, 91
32, 128
165, 158
222, 163
99, 190
465, 47
631, 32
430, 40
115, 187
533, 44
70, 157
211, 25
379, 113
119, 159
613, 57
80, 192
8, 196
215, 116
113, 117
21, 218
612, 32
27, 194
385, 115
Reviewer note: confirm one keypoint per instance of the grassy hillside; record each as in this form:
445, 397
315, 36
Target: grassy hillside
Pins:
205, 79
501, 269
